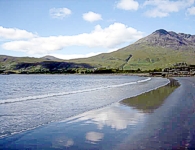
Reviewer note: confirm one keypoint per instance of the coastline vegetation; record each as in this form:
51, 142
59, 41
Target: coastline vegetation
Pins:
75, 71
178, 69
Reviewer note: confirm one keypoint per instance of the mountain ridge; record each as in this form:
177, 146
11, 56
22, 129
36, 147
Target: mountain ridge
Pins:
160, 49
169, 39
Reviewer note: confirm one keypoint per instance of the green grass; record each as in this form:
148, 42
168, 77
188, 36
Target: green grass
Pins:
143, 57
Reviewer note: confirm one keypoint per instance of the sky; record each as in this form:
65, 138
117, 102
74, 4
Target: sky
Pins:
70, 29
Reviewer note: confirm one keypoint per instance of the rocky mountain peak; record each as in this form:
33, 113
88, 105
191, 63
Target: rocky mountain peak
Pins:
161, 32
169, 39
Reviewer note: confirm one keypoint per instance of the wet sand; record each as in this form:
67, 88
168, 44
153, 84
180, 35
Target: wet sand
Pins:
160, 119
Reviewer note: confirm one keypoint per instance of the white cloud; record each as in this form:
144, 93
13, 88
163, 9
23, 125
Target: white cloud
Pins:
191, 11
73, 56
156, 13
91, 16
112, 50
15, 34
128, 4
59, 12
110, 37
163, 8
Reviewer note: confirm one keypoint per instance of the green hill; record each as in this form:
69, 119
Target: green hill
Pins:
37, 65
161, 49
140, 56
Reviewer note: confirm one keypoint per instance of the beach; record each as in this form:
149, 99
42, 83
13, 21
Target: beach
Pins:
162, 118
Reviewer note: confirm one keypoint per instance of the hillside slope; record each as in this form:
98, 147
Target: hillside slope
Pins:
161, 49
30, 64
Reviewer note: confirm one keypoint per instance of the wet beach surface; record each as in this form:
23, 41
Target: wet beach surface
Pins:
160, 119
172, 126
31, 101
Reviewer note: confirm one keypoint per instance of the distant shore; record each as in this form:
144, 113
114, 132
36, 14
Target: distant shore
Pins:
152, 74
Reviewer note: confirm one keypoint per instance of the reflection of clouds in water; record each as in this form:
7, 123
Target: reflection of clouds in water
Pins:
61, 142
69, 143
94, 136
115, 117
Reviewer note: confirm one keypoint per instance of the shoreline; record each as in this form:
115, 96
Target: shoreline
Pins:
107, 74
42, 125
106, 97
54, 129
144, 101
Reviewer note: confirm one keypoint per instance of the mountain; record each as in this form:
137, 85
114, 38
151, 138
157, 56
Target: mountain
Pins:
160, 49
170, 40
52, 58
37, 65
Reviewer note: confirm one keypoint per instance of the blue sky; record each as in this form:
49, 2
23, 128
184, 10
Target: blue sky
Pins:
82, 28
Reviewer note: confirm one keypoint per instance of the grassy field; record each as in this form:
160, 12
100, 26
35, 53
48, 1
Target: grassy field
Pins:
131, 57
143, 57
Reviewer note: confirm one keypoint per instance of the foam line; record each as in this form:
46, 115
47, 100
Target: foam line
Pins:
28, 98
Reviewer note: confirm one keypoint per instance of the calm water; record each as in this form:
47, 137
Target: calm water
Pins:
30, 101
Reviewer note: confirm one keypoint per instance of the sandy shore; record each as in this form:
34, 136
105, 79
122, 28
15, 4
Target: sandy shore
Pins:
160, 119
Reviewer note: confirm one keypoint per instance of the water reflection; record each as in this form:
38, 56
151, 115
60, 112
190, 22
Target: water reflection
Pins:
117, 117
104, 128
62, 142
149, 101
94, 137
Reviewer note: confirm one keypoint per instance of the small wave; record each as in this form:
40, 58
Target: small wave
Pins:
10, 133
145, 80
29, 98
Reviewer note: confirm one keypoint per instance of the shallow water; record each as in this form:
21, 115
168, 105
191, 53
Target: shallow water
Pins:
149, 101
111, 127
30, 101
